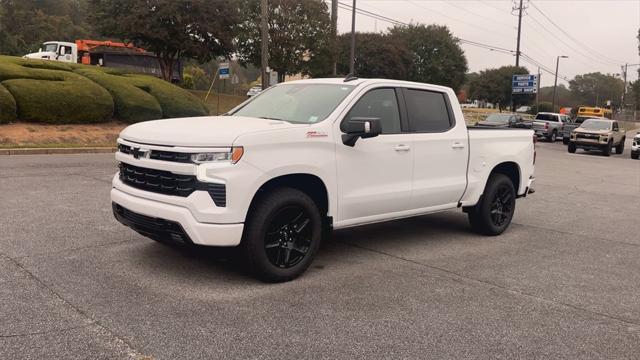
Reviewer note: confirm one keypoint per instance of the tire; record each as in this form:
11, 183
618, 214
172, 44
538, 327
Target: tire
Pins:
572, 147
565, 140
634, 155
606, 150
282, 235
620, 147
493, 213
553, 137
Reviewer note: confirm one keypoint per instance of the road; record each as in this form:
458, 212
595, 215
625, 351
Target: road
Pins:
562, 282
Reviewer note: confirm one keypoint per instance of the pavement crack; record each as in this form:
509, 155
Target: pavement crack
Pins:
102, 328
495, 285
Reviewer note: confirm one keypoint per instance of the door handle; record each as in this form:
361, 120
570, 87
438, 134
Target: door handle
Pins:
457, 145
402, 147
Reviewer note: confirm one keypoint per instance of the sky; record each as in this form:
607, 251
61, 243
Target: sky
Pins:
596, 35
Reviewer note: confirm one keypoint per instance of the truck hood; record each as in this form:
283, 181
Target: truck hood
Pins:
205, 131
598, 132
40, 55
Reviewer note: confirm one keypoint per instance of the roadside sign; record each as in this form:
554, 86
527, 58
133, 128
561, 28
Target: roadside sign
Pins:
273, 78
234, 79
223, 71
524, 84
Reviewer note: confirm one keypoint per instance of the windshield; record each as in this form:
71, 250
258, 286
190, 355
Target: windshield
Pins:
50, 47
592, 124
498, 118
296, 103
547, 117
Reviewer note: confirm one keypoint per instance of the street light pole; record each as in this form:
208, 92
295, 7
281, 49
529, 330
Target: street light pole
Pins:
555, 82
353, 40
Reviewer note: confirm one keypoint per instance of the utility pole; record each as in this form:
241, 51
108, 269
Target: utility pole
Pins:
624, 90
519, 29
538, 92
352, 60
334, 35
555, 83
264, 29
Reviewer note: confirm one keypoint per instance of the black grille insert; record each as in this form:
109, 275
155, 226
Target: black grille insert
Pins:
150, 226
168, 183
157, 154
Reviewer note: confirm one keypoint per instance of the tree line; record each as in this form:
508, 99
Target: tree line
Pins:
300, 42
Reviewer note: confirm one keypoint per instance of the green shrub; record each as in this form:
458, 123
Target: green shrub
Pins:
132, 104
175, 101
7, 106
54, 92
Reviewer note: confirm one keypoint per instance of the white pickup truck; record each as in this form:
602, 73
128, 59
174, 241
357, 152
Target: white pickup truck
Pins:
303, 157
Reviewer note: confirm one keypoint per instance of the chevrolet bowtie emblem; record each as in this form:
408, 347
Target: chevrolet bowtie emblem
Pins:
139, 153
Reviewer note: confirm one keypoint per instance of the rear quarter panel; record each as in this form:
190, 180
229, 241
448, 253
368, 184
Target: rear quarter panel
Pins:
488, 149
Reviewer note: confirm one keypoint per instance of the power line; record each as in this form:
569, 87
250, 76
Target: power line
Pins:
574, 39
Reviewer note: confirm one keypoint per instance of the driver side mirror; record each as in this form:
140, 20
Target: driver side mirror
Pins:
360, 127
63, 50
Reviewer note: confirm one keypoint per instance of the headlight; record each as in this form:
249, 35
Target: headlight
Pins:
232, 156
604, 137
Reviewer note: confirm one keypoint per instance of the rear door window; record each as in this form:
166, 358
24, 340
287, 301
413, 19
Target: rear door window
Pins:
427, 111
547, 117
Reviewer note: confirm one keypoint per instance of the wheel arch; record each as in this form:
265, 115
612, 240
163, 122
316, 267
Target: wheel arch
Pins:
509, 169
310, 184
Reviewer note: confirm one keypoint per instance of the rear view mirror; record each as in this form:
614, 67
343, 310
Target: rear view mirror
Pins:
360, 127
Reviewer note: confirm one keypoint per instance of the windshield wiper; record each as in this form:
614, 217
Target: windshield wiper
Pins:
270, 118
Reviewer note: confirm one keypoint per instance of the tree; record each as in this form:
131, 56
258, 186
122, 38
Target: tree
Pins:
437, 57
26, 24
172, 29
377, 56
299, 32
494, 85
596, 88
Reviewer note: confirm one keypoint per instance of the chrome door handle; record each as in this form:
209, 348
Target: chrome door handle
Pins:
457, 145
402, 147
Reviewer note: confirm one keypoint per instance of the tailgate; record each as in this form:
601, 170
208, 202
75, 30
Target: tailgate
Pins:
538, 125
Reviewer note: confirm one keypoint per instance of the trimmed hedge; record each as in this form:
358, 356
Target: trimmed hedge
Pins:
7, 106
54, 92
49, 92
132, 104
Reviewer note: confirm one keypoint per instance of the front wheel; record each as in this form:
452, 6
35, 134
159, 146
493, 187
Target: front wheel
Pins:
572, 147
634, 155
606, 150
493, 214
282, 235
620, 147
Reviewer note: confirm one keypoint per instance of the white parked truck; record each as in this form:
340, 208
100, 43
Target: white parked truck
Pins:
303, 157
56, 50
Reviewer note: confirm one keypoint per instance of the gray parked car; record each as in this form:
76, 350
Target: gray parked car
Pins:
549, 125
505, 120
572, 125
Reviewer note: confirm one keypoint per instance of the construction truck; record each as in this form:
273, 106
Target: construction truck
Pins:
105, 53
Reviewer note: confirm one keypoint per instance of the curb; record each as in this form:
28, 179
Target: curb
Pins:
52, 151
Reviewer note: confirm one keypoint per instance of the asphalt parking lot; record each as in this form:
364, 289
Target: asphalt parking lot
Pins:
562, 282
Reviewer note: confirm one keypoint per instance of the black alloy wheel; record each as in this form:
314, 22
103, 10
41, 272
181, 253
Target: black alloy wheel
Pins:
502, 205
288, 237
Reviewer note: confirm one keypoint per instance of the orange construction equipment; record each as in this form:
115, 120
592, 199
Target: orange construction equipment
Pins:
85, 47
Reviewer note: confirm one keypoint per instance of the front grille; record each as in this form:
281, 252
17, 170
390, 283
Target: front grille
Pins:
587, 136
157, 154
168, 183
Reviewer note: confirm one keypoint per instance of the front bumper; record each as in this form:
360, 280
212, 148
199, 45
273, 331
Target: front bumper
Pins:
151, 218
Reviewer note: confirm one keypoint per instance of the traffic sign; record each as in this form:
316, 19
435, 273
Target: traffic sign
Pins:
524, 84
223, 71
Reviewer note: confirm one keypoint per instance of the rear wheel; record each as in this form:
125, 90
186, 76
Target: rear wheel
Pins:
620, 147
282, 235
493, 214
572, 147
606, 150
553, 137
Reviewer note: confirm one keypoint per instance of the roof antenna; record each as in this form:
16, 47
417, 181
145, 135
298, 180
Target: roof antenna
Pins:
350, 77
